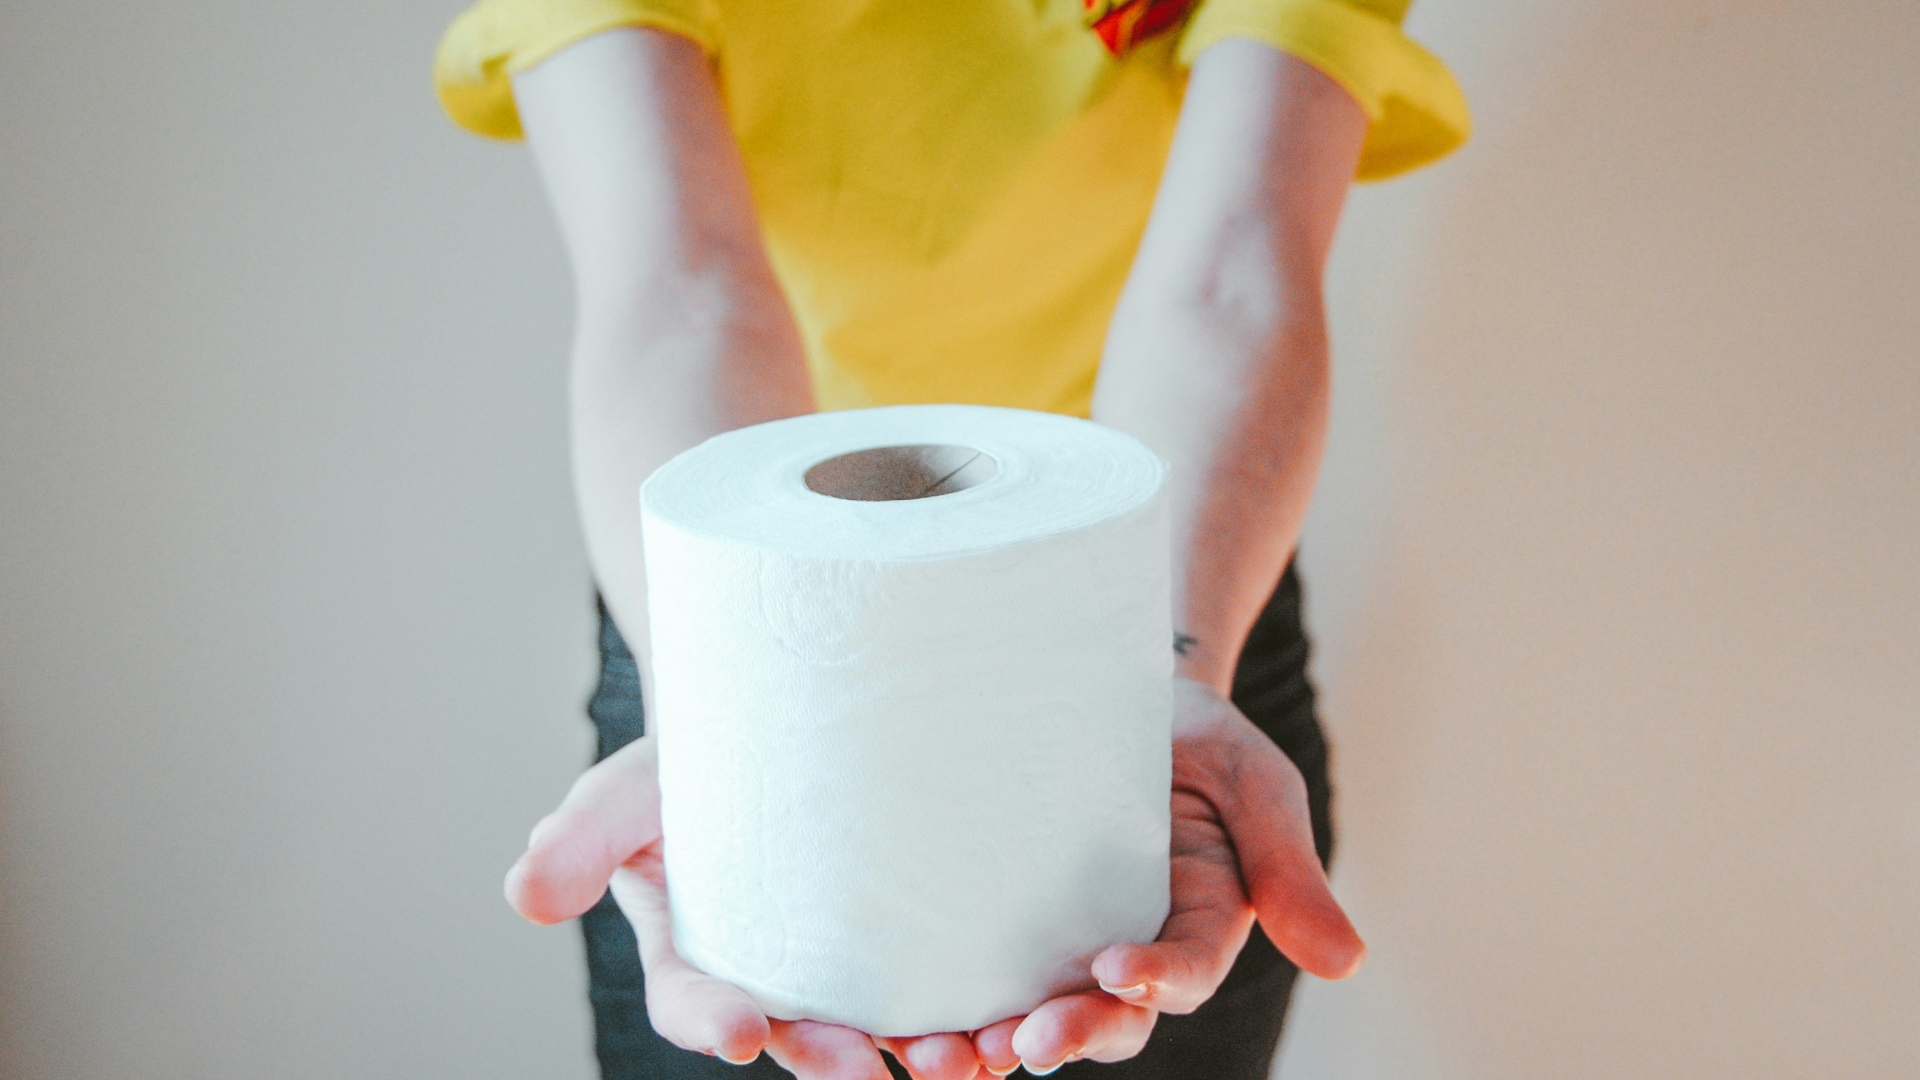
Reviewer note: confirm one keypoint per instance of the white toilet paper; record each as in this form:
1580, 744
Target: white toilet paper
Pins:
913, 690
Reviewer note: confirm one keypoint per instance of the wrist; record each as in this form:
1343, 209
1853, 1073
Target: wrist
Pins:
1195, 663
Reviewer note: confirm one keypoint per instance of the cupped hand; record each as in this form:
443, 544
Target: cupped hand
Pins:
1242, 848
607, 834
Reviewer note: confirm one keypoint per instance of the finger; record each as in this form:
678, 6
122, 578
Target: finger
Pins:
688, 1007
1205, 930
814, 1051
1265, 812
1179, 972
935, 1057
1091, 1024
993, 1044
612, 811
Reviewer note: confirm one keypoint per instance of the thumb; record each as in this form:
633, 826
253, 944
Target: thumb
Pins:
1266, 813
611, 812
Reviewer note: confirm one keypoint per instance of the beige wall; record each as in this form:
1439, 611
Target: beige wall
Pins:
1615, 569
294, 626
1627, 690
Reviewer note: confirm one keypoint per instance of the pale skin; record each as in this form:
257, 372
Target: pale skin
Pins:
1216, 358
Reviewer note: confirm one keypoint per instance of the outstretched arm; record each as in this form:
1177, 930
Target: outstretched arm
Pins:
1217, 355
1217, 358
681, 331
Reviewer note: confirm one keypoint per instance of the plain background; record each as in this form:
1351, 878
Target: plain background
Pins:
1615, 568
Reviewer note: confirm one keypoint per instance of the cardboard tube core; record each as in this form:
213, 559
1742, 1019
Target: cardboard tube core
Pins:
892, 473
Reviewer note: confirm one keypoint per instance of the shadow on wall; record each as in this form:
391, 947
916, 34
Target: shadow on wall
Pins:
1630, 737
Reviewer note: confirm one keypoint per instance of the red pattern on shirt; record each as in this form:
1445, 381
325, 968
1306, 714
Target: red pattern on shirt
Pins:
1122, 24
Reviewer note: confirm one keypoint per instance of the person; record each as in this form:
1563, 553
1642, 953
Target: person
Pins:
1122, 213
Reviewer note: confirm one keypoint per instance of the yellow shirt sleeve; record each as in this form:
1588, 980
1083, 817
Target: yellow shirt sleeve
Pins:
496, 39
1418, 112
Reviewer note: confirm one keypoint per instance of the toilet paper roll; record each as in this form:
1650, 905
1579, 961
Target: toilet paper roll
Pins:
913, 691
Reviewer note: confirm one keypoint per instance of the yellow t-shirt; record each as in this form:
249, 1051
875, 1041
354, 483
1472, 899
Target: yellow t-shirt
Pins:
952, 192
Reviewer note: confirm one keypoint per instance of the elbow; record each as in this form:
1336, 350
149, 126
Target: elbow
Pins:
1237, 332
1250, 295
627, 308
651, 276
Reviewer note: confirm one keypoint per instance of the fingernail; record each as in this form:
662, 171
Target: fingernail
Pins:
1049, 1070
1126, 993
1008, 1071
738, 1061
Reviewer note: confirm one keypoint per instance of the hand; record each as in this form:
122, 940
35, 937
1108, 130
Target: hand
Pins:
607, 834
1234, 793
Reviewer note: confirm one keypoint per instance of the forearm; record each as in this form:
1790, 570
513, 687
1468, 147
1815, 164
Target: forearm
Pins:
681, 331
1217, 357
1242, 430
675, 364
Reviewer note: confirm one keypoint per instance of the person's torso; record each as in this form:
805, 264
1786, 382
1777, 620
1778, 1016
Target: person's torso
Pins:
952, 193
